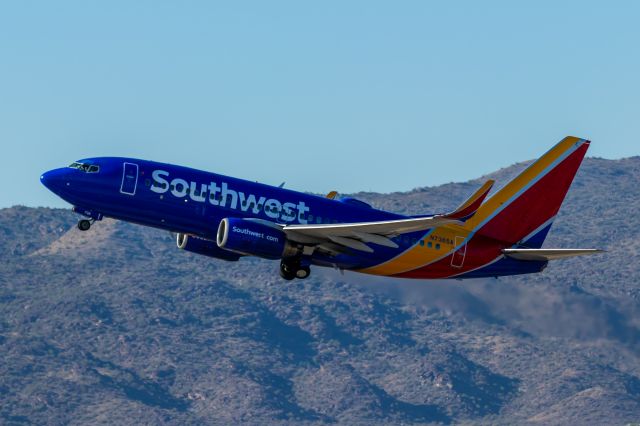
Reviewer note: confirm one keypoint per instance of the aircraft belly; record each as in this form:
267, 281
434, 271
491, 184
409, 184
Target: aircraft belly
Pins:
480, 251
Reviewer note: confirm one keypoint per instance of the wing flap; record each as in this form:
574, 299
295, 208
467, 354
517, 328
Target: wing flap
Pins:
351, 243
548, 254
376, 239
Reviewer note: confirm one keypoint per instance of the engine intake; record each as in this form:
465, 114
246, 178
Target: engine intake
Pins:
251, 237
204, 247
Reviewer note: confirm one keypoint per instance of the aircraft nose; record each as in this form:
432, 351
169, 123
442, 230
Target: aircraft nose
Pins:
54, 180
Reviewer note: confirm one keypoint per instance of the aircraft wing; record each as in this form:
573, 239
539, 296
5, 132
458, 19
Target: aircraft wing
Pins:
548, 254
358, 235
334, 237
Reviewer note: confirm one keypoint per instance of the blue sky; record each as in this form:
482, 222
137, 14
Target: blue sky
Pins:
351, 96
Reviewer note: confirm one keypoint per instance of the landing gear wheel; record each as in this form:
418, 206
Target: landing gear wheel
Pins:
84, 224
303, 272
291, 270
287, 272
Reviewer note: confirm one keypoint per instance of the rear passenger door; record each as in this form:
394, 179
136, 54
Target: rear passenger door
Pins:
457, 260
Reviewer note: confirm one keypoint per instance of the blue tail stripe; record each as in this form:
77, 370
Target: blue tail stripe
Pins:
537, 239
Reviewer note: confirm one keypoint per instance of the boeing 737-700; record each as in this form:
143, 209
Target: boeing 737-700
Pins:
228, 218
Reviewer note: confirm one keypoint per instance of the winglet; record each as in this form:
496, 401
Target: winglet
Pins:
467, 209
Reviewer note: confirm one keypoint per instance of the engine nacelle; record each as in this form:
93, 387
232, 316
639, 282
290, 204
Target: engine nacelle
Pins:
251, 237
204, 247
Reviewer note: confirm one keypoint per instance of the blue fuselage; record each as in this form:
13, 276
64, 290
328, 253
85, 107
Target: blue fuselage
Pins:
185, 200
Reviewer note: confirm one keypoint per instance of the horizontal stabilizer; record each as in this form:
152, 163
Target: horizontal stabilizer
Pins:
547, 254
472, 204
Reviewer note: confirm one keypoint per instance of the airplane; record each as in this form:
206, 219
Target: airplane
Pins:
228, 218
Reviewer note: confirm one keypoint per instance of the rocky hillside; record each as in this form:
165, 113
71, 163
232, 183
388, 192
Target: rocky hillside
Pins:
117, 326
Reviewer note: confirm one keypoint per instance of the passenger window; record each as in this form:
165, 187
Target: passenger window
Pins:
429, 244
422, 243
438, 246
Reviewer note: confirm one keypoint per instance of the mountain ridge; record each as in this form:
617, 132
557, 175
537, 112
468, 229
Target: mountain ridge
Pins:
117, 326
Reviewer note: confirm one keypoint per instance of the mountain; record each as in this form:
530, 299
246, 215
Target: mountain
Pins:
117, 326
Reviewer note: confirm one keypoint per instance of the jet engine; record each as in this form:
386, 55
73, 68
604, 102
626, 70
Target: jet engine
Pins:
204, 247
253, 238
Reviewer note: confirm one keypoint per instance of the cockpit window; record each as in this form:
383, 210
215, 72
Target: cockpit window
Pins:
87, 168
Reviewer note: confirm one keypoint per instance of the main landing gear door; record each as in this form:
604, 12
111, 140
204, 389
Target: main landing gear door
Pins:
129, 178
457, 260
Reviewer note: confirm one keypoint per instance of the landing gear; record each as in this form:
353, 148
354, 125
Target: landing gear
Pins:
303, 272
84, 224
286, 273
92, 216
290, 270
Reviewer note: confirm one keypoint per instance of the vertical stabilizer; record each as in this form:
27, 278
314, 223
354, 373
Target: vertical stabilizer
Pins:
523, 210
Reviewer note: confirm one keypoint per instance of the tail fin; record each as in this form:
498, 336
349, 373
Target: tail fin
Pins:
523, 210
